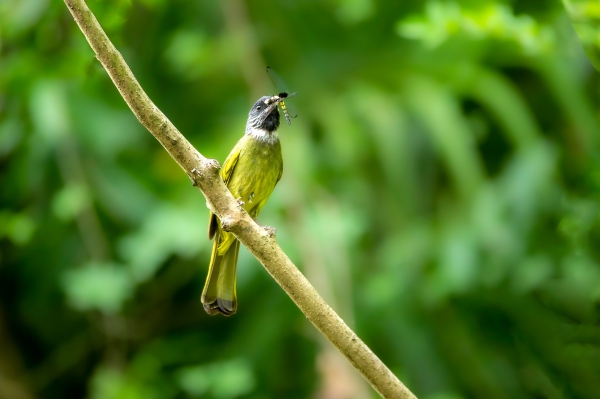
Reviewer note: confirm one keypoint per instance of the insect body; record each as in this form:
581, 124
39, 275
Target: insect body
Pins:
291, 113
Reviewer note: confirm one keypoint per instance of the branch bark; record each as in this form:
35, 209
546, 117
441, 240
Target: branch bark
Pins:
261, 243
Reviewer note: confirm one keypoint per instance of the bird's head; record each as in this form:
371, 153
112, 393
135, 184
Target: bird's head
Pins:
264, 114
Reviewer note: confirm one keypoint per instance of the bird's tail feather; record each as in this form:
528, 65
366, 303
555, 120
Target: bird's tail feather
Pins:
219, 295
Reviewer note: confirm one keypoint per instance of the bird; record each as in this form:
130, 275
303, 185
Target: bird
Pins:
250, 172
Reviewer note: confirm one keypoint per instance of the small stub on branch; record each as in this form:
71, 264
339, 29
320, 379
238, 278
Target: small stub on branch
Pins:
272, 231
211, 163
193, 177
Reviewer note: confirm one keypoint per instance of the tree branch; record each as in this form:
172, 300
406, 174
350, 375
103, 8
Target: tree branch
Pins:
262, 244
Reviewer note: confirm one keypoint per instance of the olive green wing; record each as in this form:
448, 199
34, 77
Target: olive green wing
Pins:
280, 164
280, 172
226, 173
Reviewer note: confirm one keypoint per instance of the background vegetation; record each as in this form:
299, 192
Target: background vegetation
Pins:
440, 190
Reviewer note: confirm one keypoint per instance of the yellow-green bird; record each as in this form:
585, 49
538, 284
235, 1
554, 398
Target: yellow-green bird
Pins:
251, 172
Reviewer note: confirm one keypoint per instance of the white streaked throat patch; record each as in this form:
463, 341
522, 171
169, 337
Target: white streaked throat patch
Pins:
263, 135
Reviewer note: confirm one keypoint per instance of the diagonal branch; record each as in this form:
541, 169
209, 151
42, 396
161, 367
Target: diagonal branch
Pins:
262, 244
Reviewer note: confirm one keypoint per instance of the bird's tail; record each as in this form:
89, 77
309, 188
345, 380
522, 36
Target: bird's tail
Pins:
218, 295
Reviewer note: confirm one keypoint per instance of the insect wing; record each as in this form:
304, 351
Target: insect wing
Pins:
277, 81
288, 109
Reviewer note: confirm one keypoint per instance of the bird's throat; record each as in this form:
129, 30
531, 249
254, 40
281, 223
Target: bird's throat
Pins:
263, 136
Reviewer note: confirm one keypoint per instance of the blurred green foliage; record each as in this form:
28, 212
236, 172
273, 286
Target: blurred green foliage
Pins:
585, 16
440, 190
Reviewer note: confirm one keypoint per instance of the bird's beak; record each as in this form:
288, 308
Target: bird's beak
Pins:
271, 104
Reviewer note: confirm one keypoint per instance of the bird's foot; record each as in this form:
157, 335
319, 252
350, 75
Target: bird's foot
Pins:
240, 202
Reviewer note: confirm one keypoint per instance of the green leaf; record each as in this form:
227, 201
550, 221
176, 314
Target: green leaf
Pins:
69, 201
98, 286
223, 380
